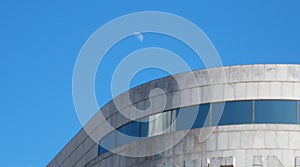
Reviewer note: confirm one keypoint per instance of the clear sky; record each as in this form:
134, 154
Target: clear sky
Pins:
40, 40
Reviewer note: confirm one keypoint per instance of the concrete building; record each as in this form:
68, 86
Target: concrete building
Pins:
241, 116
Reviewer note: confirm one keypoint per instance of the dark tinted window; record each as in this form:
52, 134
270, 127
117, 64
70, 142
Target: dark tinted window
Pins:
192, 117
107, 143
144, 127
101, 150
126, 133
237, 112
275, 111
130, 129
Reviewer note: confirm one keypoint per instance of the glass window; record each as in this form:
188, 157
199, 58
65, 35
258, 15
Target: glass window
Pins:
144, 127
101, 150
130, 129
236, 112
127, 133
107, 143
192, 117
275, 111
160, 123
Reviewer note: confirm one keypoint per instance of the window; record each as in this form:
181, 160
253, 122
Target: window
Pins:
107, 143
160, 123
192, 117
157, 124
275, 111
236, 112
126, 133
144, 127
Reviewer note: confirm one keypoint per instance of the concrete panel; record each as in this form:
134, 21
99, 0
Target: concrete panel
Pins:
264, 90
218, 92
288, 158
206, 95
246, 140
175, 99
258, 72
202, 77
294, 140
258, 139
91, 154
287, 90
275, 91
283, 143
217, 75
235, 74
252, 90
277, 153
240, 91
270, 72
222, 141
270, 139
234, 140
296, 90
247, 73
211, 143
293, 73
229, 91
281, 72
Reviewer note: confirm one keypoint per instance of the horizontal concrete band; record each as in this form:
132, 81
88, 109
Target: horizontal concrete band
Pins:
239, 83
217, 84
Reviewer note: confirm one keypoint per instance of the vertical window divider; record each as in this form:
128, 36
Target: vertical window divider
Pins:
297, 112
171, 121
173, 117
253, 111
116, 138
210, 114
140, 127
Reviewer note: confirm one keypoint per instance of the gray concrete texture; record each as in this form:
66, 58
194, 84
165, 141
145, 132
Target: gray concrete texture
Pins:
243, 82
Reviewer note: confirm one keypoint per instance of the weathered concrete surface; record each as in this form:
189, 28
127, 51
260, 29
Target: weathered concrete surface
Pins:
213, 85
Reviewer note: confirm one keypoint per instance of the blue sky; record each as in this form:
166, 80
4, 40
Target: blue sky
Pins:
40, 40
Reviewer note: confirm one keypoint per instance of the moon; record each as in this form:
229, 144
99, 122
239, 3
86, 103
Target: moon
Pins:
139, 36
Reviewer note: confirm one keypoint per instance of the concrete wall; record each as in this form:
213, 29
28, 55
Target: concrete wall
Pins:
213, 85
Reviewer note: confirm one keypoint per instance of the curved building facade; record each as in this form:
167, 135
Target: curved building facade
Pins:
247, 115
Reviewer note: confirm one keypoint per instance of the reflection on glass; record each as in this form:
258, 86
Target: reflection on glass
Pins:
275, 111
160, 123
